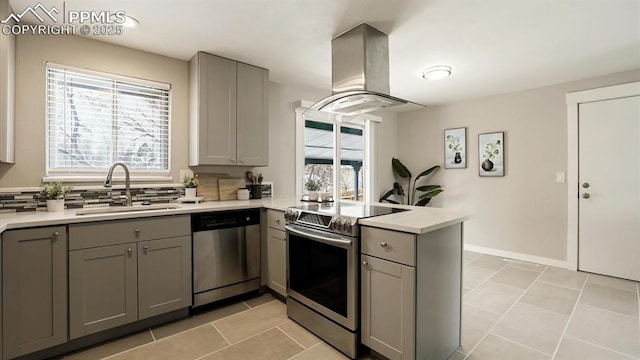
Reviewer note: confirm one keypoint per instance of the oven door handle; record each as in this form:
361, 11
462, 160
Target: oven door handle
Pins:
323, 239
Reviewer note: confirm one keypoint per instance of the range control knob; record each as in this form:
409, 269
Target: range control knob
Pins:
347, 225
337, 224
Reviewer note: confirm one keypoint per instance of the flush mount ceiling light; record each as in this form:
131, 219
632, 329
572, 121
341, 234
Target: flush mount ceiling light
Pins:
130, 22
436, 72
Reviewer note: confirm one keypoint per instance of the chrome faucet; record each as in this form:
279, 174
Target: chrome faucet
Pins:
107, 182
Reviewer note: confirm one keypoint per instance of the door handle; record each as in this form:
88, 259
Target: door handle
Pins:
586, 196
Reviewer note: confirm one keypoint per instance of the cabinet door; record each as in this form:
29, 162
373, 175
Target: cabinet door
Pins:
253, 116
277, 260
34, 280
217, 110
164, 275
7, 90
102, 288
388, 308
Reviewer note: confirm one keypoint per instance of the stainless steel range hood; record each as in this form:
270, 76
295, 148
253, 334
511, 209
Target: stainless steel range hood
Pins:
360, 74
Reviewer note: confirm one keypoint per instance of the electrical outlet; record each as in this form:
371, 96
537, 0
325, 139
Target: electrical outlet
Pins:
184, 173
559, 177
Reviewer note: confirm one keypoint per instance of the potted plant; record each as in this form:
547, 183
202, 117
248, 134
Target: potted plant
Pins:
491, 150
429, 191
313, 186
54, 194
190, 185
453, 144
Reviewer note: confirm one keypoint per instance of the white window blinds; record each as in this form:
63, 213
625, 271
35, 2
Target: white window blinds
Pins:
96, 119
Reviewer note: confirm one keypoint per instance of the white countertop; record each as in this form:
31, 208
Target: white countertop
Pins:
418, 221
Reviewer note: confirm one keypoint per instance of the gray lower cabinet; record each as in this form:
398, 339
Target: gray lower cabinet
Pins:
388, 303
124, 271
276, 252
411, 292
103, 288
164, 276
34, 288
277, 260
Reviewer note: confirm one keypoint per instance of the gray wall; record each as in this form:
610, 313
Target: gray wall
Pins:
32, 54
524, 212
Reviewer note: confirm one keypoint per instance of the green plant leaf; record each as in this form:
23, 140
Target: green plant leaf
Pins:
386, 195
398, 189
423, 202
428, 171
427, 188
400, 169
430, 194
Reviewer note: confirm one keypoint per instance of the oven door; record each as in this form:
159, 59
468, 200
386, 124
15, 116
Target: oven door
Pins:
322, 273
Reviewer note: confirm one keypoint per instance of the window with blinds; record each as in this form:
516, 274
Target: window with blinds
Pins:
95, 119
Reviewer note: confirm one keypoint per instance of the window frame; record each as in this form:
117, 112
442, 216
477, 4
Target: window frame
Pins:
366, 121
86, 175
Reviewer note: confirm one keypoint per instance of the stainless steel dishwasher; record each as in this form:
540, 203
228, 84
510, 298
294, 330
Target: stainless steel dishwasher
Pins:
226, 254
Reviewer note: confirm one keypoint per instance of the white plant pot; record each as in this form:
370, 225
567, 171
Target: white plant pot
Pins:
190, 193
55, 205
313, 196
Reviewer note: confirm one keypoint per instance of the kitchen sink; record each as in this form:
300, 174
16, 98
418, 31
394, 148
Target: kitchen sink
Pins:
121, 209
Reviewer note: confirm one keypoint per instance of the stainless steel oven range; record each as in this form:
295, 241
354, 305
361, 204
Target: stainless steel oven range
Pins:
323, 249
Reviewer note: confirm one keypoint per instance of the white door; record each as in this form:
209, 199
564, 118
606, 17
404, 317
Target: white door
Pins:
609, 175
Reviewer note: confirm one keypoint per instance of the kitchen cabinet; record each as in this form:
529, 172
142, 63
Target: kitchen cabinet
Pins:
7, 90
229, 112
411, 292
164, 275
276, 252
126, 270
34, 273
103, 287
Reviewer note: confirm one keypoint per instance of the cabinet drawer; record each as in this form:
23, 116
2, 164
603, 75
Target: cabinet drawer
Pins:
84, 236
390, 245
275, 219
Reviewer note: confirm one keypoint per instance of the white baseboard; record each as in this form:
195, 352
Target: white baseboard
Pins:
519, 256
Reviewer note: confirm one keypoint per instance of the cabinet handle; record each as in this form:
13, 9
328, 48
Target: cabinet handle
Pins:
129, 251
278, 221
137, 231
145, 249
241, 161
384, 244
55, 235
364, 263
232, 161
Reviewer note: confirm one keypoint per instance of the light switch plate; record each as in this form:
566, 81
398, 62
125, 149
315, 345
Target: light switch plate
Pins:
560, 177
184, 173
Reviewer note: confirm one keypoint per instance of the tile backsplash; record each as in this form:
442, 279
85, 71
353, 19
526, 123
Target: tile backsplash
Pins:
29, 200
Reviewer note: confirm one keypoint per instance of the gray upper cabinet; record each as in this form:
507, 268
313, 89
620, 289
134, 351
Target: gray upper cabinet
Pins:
164, 275
252, 116
34, 285
7, 90
127, 270
229, 112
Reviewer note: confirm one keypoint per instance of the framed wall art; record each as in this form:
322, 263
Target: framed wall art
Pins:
491, 154
455, 148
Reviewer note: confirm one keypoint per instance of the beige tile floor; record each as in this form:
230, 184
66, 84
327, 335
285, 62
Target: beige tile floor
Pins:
511, 310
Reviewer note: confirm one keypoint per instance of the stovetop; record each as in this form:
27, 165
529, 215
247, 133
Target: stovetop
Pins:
338, 217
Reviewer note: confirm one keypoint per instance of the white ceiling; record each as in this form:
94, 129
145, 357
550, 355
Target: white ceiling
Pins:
494, 46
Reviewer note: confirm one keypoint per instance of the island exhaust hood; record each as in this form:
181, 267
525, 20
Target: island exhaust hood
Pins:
360, 74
